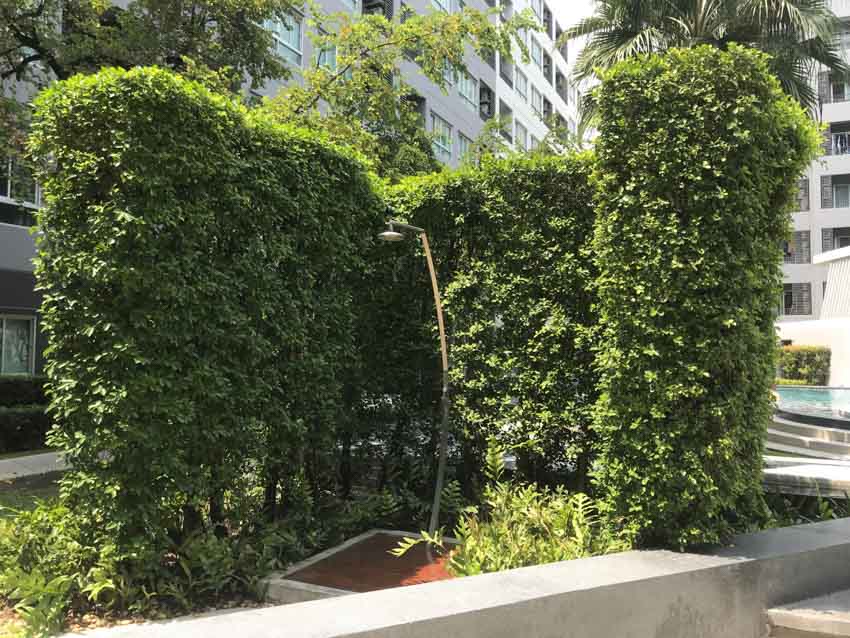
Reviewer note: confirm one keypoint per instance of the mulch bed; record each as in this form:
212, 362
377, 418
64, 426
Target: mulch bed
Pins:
368, 566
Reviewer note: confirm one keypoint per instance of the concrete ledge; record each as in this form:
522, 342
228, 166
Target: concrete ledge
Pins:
824, 616
654, 594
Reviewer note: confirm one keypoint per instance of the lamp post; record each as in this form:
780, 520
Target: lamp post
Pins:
393, 235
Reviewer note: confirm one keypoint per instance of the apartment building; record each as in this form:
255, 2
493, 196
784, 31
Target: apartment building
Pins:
822, 218
524, 95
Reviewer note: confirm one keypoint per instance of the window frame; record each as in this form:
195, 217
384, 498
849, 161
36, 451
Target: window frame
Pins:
299, 53
538, 61
465, 79
10, 198
524, 94
33, 321
517, 126
436, 142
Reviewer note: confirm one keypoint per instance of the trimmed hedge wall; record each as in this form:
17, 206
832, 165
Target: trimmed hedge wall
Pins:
808, 364
23, 428
22, 390
510, 239
698, 156
200, 267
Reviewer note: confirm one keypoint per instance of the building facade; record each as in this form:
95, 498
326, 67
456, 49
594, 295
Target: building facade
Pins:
822, 218
523, 94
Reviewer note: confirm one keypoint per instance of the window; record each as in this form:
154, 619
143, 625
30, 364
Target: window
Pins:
537, 6
486, 101
803, 194
796, 299
536, 100
467, 88
464, 145
835, 191
442, 5
327, 57
17, 337
521, 85
798, 250
442, 132
448, 73
521, 140
834, 238
506, 119
18, 184
536, 53
286, 35
534, 143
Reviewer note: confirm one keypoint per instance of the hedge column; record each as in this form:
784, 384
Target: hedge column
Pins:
699, 153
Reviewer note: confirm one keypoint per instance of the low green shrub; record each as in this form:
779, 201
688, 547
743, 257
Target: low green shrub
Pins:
807, 363
522, 525
781, 381
23, 428
22, 390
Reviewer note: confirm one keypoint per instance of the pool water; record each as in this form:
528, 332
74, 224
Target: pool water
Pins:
825, 402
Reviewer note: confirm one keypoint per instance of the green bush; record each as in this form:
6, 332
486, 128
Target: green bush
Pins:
201, 269
510, 240
698, 156
521, 525
783, 381
810, 364
21, 390
23, 427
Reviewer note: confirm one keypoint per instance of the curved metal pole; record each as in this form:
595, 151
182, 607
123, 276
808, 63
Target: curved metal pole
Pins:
444, 399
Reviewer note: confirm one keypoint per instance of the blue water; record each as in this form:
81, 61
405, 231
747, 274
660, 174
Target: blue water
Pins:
834, 404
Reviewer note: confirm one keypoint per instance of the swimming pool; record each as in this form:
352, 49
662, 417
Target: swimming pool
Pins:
830, 403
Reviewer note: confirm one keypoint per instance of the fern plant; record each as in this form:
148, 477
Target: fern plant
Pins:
521, 525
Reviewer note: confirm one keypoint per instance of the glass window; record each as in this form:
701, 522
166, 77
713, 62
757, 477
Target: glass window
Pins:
448, 72
464, 145
442, 5
327, 57
17, 183
442, 132
537, 6
467, 87
534, 143
521, 85
840, 196
16, 345
536, 100
287, 38
536, 53
796, 299
521, 139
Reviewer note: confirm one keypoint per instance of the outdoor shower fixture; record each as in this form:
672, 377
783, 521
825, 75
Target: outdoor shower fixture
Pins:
392, 235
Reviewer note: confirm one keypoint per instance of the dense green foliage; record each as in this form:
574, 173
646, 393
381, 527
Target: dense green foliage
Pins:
21, 390
510, 240
23, 420
807, 364
521, 525
23, 427
189, 375
698, 153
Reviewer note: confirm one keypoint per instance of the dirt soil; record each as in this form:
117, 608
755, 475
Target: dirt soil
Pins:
368, 566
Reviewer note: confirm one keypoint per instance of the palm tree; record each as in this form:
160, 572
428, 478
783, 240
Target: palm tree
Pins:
798, 34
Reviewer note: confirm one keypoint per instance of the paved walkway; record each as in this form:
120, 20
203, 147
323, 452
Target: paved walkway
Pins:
31, 465
813, 477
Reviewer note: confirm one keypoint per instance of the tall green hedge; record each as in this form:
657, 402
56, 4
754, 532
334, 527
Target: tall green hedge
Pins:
198, 267
698, 154
808, 364
511, 242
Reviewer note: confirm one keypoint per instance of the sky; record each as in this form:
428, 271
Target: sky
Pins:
568, 12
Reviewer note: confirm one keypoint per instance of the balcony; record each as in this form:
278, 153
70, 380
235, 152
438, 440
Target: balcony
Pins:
837, 144
486, 101
562, 87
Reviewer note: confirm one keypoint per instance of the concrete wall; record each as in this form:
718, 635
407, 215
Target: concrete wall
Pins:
832, 333
656, 594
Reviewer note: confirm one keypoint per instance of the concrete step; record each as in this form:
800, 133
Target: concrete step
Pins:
833, 435
826, 616
807, 445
